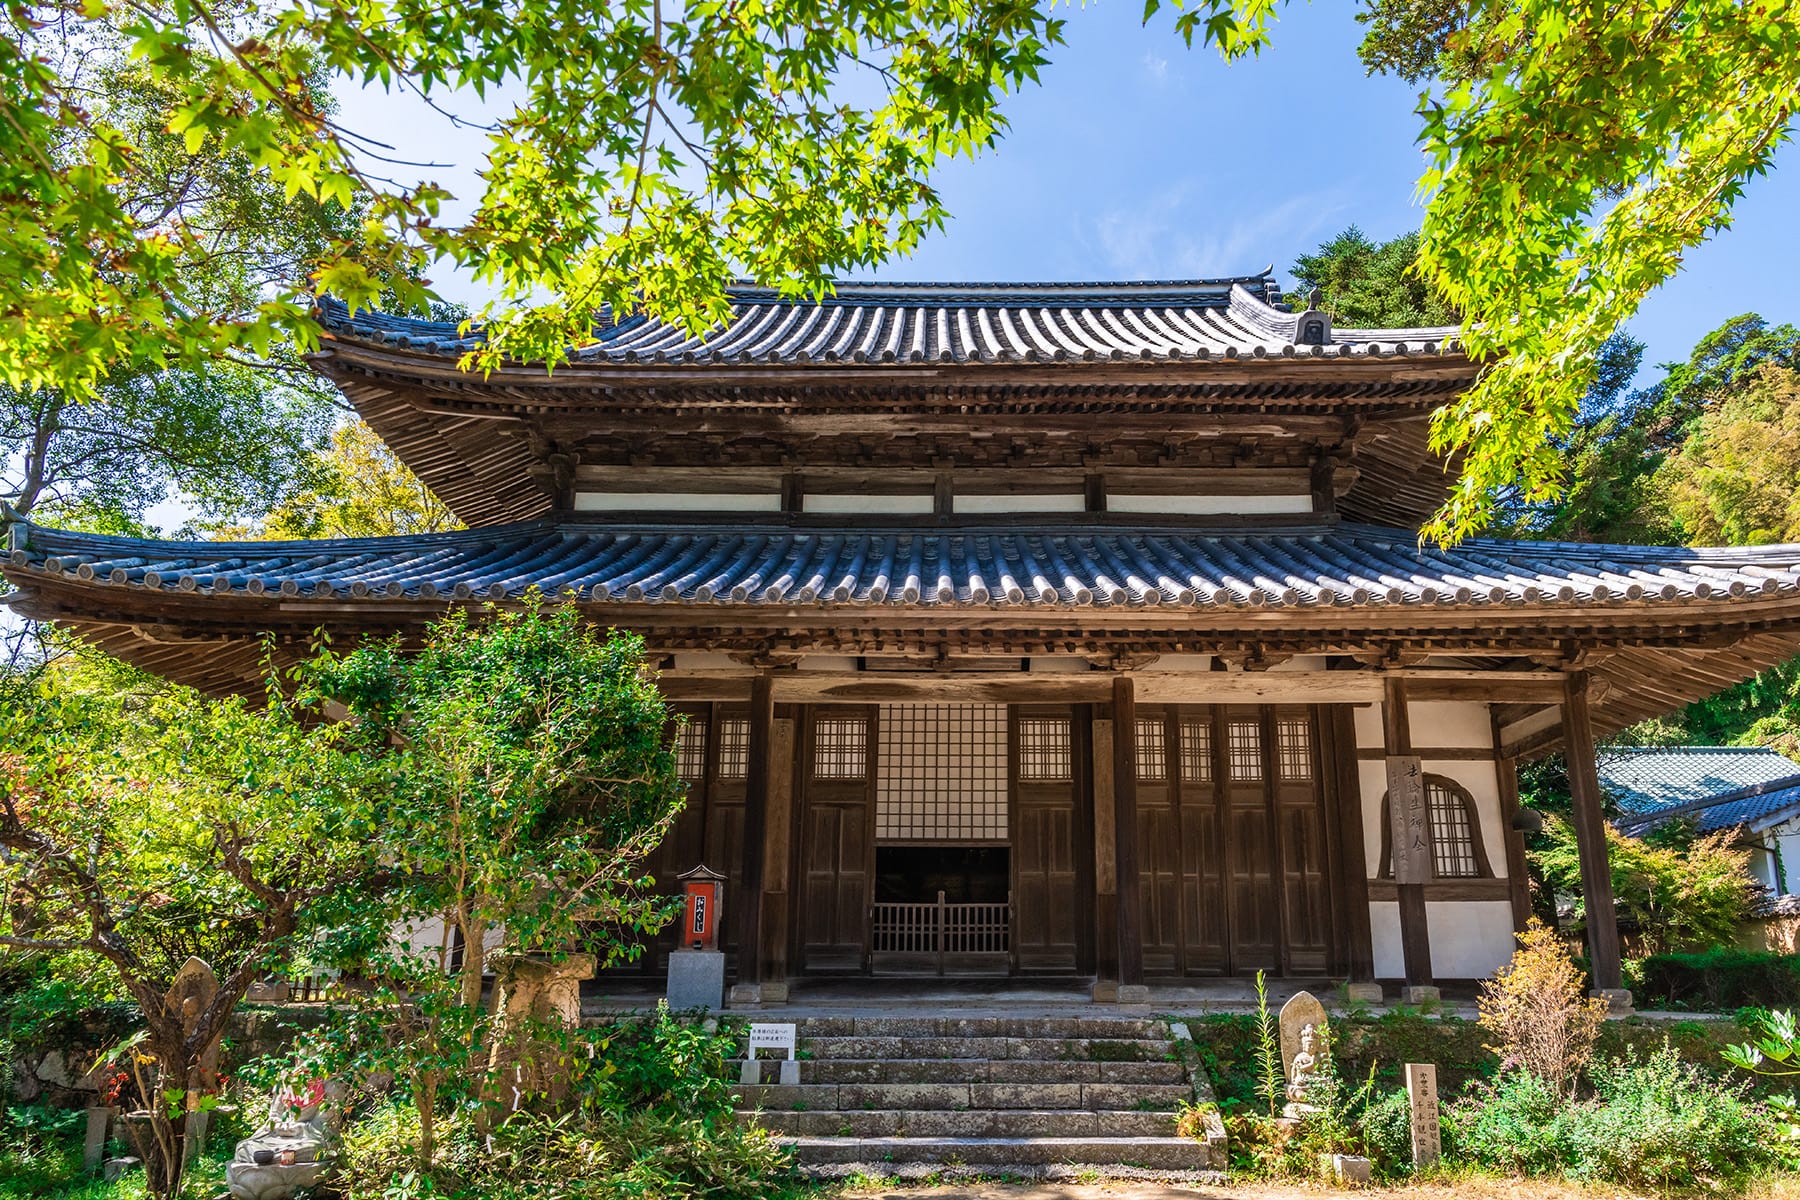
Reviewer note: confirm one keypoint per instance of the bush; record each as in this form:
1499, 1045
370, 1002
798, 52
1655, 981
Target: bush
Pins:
662, 1065
1718, 980
1387, 1132
1536, 1005
1660, 1123
1517, 1125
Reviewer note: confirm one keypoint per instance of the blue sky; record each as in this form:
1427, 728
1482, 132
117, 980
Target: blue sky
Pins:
1139, 158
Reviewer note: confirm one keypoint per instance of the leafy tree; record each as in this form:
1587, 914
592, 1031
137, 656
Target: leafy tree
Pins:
226, 434
1576, 152
140, 827
524, 772
1736, 479
1371, 284
357, 488
1677, 898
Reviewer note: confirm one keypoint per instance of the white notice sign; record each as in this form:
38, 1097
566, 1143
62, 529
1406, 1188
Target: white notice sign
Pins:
1421, 1090
769, 1036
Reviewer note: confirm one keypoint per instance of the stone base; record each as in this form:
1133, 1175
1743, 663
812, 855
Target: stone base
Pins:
744, 995
775, 993
1106, 991
697, 980
1346, 1170
251, 1181
117, 1168
1364, 993
1132, 993
1420, 993
1618, 1000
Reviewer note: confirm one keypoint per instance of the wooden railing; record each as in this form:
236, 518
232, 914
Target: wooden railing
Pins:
941, 930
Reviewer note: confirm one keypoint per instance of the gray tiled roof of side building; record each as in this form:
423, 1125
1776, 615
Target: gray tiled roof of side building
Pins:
955, 322
1717, 786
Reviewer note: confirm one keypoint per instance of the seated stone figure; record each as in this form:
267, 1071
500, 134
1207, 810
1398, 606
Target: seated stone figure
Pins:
1303, 1073
295, 1149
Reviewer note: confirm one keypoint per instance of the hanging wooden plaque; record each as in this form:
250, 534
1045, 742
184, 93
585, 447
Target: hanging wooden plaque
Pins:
1411, 835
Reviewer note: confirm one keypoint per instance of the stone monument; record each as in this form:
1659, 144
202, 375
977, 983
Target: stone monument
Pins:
697, 969
1304, 1032
532, 992
294, 1150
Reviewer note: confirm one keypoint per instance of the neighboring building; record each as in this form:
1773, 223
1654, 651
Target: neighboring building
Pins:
1026, 630
1752, 789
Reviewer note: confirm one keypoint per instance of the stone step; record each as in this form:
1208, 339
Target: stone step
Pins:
982, 1070
1157, 1153
848, 1097
1042, 1049
938, 1123
1018, 1027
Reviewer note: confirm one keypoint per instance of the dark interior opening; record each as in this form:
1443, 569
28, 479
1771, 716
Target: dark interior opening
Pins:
965, 874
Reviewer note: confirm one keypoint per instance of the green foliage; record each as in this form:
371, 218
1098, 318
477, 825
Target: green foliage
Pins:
1736, 479
1386, 1128
1269, 1079
1718, 980
1371, 284
1514, 1124
1567, 179
1659, 1122
358, 488
1676, 898
665, 1066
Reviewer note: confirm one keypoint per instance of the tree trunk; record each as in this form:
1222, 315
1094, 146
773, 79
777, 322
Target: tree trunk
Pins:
474, 958
425, 1100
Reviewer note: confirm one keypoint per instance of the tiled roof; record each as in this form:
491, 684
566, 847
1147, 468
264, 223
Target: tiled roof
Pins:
960, 323
1019, 563
1718, 786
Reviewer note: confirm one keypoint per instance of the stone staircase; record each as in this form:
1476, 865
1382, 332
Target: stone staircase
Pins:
885, 1095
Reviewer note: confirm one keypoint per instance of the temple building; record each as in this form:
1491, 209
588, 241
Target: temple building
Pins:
1070, 631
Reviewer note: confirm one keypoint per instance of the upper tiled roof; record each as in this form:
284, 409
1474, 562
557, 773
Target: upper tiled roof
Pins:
1017, 564
1718, 786
959, 323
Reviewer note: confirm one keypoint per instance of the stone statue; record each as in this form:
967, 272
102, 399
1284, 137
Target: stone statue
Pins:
1304, 1033
295, 1149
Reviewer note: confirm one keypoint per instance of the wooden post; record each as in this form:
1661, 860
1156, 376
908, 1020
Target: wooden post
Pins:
1106, 859
1506, 775
1353, 859
1406, 817
1590, 838
1125, 835
756, 825
777, 907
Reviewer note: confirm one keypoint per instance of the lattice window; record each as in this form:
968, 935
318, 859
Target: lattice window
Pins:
1243, 747
690, 749
942, 772
1293, 749
1452, 836
1152, 750
841, 748
734, 747
1044, 753
1197, 750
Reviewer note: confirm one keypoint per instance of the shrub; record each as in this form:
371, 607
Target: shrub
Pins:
1537, 1006
1660, 1123
1386, 1126
1719, 980
1516, 1125
662, 1065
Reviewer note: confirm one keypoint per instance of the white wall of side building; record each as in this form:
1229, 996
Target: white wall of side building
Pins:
1470, 939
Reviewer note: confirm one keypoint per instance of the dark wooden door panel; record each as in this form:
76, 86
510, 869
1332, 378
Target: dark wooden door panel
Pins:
1253, 894
1159, 888
1203, 916
1304, 889
837, 859
1045, 904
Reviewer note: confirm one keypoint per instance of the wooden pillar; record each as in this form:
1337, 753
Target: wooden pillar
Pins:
1506, 776
1106, 857
1410, 838
756, 827
1590, 836
1353, 858
777, 907
1125, 831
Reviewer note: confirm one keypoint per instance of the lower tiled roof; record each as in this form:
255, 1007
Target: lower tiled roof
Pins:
1718, 787
1017, 564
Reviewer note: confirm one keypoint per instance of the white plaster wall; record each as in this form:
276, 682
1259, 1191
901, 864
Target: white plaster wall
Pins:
676, 502
1019, 502
1195, 505
1789, 838
1469, 939
1434, 723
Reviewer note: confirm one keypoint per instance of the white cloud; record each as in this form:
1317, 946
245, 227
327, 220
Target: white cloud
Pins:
1156, 68
1173, 234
